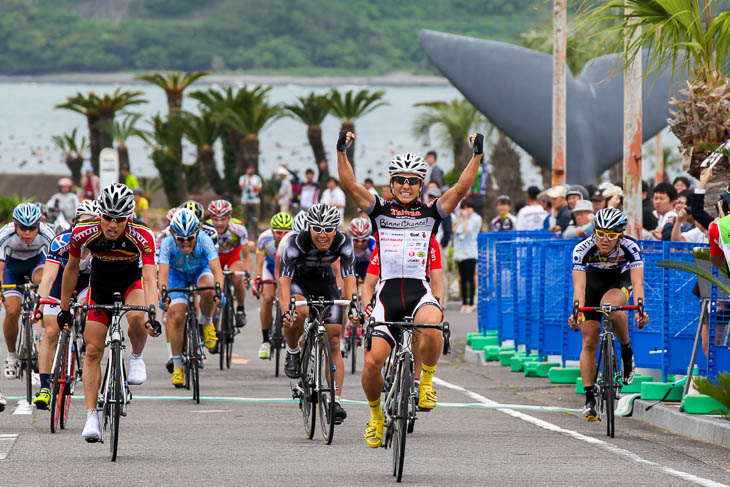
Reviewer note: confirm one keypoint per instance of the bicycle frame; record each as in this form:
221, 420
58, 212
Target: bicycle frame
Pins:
25, 345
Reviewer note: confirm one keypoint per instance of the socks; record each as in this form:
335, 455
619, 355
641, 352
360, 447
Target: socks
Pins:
239, 309
376, 412
12, 356
206, 320
265, 334
177, 362
590, 394
134, 356
626, 352
292, 350
337, 399
45, 381
427, 374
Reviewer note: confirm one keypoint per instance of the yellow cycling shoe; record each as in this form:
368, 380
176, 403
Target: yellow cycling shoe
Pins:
374, 433
427, 397
177, 378
209, 336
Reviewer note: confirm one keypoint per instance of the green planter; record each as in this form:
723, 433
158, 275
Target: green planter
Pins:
702, 405
655, 391
491, 353
564, 375
635, 385
543, 368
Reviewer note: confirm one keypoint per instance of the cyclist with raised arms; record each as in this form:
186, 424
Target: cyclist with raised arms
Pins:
123, 261
306, 271
265, 282
403, 227
50, 286
23, 246
606, 266
363, 243
232, 239
188, 256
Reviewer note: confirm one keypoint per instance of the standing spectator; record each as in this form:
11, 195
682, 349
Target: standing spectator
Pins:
649, 220
387, 194
583, 216
574, 194
250, 184
334, 196
130, 179
310, 191
560, 218
65, 201
435, 173
467, 226
532, 215
613, 197
89, 184
681, 183
664, 198
286, 193
370, 186
324, 173
142, 205
504, 219
685, 228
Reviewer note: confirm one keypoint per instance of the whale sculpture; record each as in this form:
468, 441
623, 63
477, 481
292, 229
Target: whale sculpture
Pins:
512, 87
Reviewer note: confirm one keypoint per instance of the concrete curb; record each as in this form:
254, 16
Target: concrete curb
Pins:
710, 429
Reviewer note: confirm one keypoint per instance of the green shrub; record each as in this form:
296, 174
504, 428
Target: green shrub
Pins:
7, 205
718, 389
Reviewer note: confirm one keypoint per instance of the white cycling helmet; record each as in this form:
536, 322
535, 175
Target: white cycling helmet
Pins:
323, 215
116, 201
87, 207
299, 224
408, 163
360, 228
611, 219
184, 223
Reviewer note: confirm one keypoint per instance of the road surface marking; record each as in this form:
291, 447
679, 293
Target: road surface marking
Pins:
211, 411
239, 361
6, 444
23, 407
578, 436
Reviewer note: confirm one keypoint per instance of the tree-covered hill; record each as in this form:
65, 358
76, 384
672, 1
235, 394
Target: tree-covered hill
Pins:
305, 37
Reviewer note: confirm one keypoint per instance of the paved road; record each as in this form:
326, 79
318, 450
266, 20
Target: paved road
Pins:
225, 441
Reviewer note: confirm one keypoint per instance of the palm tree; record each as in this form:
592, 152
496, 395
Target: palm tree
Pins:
163, 138
203, 132
99, 111
74, 152
174, 84
311, 110
350, 106
121, 132
692, 39
453, 120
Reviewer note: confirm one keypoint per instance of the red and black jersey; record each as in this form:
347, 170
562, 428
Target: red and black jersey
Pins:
119, 260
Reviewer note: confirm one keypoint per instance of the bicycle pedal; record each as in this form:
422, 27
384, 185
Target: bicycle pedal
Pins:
92, 440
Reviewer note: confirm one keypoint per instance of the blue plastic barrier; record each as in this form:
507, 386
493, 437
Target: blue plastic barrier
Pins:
556, 282
718, 353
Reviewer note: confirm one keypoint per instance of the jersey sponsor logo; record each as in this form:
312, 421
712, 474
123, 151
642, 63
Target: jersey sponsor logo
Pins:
421, 254
60, 242
397, 212
86, 232
142, 239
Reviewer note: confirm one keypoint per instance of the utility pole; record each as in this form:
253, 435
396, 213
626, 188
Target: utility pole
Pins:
560, 36
632, 141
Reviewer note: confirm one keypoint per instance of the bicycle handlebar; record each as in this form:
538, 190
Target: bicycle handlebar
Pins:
607, 309
190, 289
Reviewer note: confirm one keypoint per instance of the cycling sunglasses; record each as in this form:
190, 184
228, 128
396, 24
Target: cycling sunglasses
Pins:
27, 229
609, 235
113, 219
189, 238
412, 181
320, 229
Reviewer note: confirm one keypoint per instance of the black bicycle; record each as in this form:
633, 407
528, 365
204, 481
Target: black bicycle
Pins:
227, 320
26, 345
608, 379
353, 340
192, 354
399, 406
277, 336
114, 394
317, 382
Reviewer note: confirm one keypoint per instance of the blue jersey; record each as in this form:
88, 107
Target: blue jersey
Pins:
191, 264
58, 253
362, 259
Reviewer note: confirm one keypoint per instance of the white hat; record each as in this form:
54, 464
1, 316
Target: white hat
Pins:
557, 192
282, 171
612, 191
583, 205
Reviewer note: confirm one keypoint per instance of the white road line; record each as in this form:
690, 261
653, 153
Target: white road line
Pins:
6, 444
578, 436
23, 408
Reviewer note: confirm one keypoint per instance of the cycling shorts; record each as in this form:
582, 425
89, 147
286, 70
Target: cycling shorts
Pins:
229, 258
180, 279
105, 295
53, 309
397, 298
598, 284
16, 270
326, 289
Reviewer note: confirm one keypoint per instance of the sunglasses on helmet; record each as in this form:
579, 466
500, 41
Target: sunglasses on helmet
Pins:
321, 229
412, 181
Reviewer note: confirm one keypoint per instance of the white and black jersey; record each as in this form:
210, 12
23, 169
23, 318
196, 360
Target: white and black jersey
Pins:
626, 255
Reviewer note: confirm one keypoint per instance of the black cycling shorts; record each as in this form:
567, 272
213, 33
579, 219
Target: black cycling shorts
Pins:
397, 298
326, 289
598, 284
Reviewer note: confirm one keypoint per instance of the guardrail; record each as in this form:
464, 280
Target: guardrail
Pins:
526, 289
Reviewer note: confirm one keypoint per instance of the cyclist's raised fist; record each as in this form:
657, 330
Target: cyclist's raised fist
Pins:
344, 141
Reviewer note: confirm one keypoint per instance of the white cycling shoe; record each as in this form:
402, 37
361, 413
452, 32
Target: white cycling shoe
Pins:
11, 368
91, 432
137, 371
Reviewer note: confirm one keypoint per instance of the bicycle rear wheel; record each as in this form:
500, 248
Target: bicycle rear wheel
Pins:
114, 399
326, 388
306, 403
28, 360
607, 377
70, 371
195, 358
56, 390
353, 347
277, 338
403, 398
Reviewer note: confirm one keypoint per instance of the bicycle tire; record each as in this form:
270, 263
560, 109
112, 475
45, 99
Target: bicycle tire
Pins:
28, 359
115, 399
608, 389
194, 358
222, 339
277, 338
70, 371
403, 397
326, 389
56, 381
353, 348
306, 402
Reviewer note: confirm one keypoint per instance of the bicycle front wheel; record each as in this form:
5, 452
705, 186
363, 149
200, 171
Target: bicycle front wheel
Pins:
114, 398
607, 377
28, 360
195, 358
307, 382
277, 338
325, 388
353, 348
403, 399
57, 390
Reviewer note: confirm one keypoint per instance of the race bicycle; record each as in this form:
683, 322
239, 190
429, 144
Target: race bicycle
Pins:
276, 331
26, 346
114, 394
227, 320
317, 371
353, 340
192, 353
608, 380
399, 406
